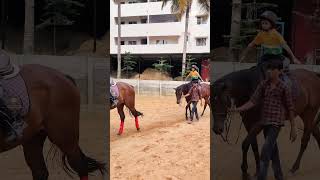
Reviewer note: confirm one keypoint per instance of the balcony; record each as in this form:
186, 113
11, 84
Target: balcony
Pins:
159, 49
140, 9
154, 29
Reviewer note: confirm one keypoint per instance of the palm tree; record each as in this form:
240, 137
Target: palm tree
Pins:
235, 26
119, 39
28, 41
181, 7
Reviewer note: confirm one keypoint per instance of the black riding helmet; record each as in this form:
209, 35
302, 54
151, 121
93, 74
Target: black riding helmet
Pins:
269, 16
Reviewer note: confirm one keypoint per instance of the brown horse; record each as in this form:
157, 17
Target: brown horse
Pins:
238, 86
184, 89
126, 98
54, 113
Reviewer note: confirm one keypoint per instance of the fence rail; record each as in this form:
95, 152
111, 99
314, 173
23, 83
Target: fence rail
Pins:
90, 74
219, 69
153, 87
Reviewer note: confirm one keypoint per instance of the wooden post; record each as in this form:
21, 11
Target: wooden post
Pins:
90, 66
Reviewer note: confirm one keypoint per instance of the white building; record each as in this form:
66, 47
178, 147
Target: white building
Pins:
147, 29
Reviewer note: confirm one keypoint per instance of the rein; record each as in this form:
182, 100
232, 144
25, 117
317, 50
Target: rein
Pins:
228, 122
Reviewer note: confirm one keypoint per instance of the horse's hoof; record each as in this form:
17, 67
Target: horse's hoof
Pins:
294, 169
138, 129
119, 134
246, 176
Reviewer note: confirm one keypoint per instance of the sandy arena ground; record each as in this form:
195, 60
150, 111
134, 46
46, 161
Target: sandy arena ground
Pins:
229, 157
92, 142
167, 148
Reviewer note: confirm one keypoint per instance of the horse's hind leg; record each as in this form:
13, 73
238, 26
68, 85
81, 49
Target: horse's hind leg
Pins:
136, 115
122, 117
205, 106
307, 117
33, 154
316, 134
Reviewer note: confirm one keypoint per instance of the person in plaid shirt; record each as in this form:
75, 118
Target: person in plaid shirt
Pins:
276, 100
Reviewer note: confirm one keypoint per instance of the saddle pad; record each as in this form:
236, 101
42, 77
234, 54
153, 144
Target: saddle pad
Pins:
16, 88
114, 91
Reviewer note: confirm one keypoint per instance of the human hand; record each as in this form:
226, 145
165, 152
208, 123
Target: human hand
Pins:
293, 134
296, 61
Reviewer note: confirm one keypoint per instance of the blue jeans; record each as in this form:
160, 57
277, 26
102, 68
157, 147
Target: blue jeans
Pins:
269, 152
194, 110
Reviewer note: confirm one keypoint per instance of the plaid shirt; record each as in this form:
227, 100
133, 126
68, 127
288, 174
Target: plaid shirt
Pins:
276, 103
195, 93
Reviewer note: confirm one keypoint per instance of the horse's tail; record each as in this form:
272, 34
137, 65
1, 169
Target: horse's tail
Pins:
135, 112
92, 164
71, 79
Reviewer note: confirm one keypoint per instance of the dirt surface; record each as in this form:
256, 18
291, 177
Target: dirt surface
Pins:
165, 148
229, 157
92, 142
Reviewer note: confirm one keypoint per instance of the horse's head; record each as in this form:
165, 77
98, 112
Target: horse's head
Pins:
178, 94
221, 101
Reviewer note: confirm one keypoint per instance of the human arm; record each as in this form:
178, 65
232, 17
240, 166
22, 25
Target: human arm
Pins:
255, 98
200, 77
245, 52
290, 108
287, 48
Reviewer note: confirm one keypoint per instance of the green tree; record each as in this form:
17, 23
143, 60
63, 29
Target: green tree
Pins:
190, 62
162, 65
128, 63
60, 13
181, 8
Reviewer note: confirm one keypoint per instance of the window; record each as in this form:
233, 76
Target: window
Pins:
143, 21
132, 42
122, 22
132, 22
201, 20
122, 42
201, 41
144, 41
161, 42
122, 2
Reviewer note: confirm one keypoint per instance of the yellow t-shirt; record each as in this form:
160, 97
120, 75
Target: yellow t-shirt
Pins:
194, 74
270, 41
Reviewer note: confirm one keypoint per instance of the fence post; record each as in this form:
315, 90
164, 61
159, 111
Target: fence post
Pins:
160, 86
138, 86
90, 84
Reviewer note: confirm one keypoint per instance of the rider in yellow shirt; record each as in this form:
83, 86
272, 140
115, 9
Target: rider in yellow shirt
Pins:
272, 44
194, 75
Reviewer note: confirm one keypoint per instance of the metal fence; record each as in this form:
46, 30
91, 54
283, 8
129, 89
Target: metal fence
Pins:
90, 74
153, 87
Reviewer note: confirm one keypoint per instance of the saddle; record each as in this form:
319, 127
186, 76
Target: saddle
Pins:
7, 69
114, 90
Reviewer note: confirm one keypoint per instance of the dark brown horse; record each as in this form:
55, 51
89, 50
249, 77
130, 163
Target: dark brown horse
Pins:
126, 98
184, 89
238, 86
54, 114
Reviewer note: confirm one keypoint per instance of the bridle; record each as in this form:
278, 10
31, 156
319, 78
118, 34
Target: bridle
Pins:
228, 121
